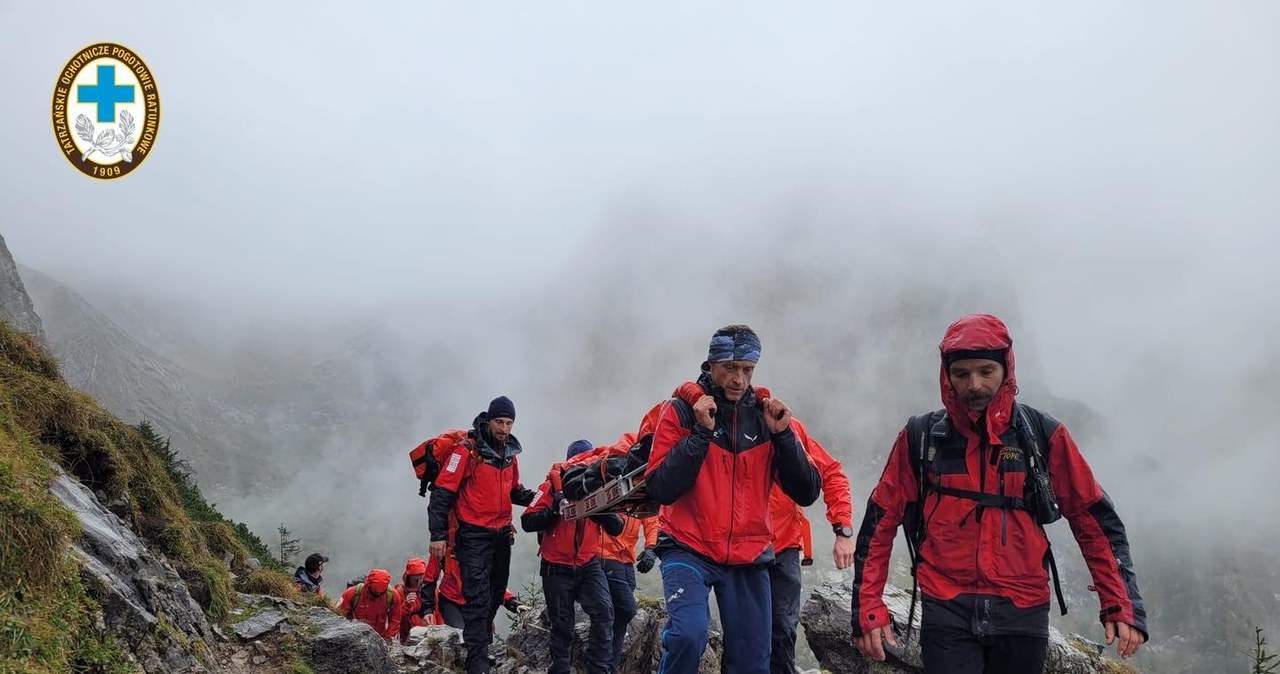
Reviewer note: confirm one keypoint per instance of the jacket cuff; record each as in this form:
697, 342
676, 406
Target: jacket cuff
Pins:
786, 434
871, 617
1116, 613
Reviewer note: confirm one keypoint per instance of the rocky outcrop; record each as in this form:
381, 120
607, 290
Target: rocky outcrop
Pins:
15, 303
528, 650
432, 650
145, 603
826, 618
277, 635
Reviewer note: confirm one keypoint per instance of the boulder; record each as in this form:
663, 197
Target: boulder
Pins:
826, 618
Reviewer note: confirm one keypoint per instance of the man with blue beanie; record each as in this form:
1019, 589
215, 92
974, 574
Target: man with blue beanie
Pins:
470, 519
571, 572
712, 466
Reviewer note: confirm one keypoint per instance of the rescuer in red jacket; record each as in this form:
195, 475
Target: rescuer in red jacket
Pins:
983, 553
712, 466
476, 487
571, 572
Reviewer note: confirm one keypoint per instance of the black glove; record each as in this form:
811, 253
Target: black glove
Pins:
557, 498
428, 603
644, 563
513, 604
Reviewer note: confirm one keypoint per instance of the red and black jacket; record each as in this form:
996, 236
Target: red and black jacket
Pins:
714, 484
971, 551
478, 484
572, 543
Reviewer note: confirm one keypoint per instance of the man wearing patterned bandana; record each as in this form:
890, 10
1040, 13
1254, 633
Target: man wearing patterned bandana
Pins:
712, 466
983, 555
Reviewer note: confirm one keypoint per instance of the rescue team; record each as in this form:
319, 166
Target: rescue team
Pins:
972, 485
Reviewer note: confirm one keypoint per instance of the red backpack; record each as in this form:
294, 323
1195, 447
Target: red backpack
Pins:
429, 456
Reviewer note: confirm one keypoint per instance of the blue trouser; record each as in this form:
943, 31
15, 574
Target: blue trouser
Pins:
622, 587
742, 593
784, 586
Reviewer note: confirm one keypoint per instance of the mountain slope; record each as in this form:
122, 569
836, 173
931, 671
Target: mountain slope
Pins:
15, 303
218, 435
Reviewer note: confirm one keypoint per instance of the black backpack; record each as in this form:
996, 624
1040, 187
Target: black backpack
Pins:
1037, 497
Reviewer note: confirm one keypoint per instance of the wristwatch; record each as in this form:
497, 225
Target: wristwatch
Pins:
842, 530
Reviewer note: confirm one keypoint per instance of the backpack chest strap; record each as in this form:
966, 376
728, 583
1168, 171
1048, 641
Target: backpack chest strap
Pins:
983, 499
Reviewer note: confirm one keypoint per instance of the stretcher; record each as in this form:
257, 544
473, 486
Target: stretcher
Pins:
624, 495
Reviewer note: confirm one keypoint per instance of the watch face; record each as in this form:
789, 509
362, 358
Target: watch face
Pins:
846, 532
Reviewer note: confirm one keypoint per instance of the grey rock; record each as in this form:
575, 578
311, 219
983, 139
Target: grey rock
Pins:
826, 618
138, 588
258, 625
527, 647
435, 646
343, 646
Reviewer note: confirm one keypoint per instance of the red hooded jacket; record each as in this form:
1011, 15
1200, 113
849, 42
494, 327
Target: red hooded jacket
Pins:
382, 611
1002, 554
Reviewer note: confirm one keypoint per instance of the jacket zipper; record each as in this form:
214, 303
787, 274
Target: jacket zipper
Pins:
733, 484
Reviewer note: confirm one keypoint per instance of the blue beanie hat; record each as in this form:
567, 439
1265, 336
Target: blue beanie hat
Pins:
502, 408
577, 447
735, 342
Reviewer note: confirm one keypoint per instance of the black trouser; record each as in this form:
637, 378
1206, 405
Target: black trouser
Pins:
784, 587
451, 613
622, 590
563, 585
978, 634
484, 559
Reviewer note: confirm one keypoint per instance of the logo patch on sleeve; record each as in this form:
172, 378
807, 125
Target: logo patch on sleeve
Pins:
453, 462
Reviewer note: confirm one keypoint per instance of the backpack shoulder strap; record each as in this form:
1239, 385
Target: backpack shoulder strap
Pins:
355, 601
1035, 427
919, 429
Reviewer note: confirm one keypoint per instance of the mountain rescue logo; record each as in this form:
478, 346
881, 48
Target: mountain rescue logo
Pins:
106, 111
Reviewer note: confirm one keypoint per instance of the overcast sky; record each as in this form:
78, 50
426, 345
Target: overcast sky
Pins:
322, 154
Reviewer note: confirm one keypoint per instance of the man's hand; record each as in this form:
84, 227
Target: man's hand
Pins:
438, 548
870, 646
777, 416
515, 606
1128, 639
704, 411
644, 564
843, 552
